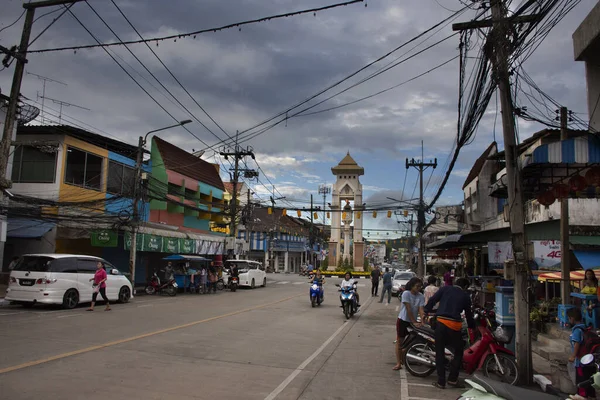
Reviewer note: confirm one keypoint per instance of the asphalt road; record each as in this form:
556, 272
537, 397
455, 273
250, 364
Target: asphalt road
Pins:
266, 343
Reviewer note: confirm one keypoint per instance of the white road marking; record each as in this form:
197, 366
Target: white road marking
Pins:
421, 398
397, 308
14, 313
420, 385
403, 385
71, 315
298, 283
271, 281
361, 285
301, 367
145, 305
283, 283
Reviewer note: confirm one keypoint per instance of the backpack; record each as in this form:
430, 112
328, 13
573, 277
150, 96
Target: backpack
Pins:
590, 344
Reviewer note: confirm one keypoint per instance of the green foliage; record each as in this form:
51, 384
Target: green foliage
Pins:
325, 264
367, 266
340, 264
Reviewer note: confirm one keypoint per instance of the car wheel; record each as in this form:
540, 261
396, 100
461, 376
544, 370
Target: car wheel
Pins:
264, 282
71, 299
252, 285
124, 295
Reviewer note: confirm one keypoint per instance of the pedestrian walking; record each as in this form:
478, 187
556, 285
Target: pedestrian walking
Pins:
203, 280
99, 286
431, 289
453, 301
387, 286
375, 278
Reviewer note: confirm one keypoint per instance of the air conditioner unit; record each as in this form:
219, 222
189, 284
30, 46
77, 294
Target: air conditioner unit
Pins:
230, 243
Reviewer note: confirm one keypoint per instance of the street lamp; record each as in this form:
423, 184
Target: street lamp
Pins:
137, 194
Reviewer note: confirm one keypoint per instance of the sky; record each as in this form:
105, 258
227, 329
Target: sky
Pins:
251, 73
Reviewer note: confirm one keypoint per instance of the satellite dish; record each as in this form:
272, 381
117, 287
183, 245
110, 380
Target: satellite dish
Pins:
27, 113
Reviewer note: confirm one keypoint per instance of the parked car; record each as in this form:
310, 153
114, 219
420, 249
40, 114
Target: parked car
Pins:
400, 280
62, 279
252, 273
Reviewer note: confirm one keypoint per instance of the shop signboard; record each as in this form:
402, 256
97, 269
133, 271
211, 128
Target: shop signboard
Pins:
546, 253
187, 246
139, 243
152, 243
498, 252
104, 238
170, 245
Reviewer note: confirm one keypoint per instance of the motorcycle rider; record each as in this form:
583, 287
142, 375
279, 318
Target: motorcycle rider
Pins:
319, 280
452, 300
349, 282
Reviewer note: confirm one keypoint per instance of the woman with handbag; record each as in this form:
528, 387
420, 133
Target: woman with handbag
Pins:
99, 286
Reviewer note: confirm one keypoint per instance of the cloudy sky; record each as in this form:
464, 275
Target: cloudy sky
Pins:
244, 76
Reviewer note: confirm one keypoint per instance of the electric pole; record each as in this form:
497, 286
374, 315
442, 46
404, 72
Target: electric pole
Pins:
565, 285
273, 227
20, 56
237, 154
421, 166
500, 59
324, 190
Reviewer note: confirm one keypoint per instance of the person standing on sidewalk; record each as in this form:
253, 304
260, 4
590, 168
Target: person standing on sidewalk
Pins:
375, 277
387, 286
99, 286
453, 300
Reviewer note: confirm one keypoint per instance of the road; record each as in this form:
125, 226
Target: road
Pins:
266, 343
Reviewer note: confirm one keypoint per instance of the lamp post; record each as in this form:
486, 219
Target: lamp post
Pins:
137, 195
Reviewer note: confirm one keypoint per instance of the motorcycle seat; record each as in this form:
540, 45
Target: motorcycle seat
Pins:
509, 392
424, 329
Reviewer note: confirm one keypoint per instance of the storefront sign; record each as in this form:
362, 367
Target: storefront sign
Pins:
546, 253
187, 246
139, 243
104, 238
152, 243
498, 252
170, 245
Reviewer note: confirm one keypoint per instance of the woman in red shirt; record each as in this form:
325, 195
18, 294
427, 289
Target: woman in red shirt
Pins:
99, 286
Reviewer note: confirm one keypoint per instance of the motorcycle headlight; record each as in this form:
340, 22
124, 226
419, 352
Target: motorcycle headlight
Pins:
315, 287
350, 296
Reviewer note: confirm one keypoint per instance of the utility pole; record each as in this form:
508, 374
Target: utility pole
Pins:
565, 284
324, 190
237, 154
421, 166
20, 55
137, 197
500, 60
273, 229
310, 231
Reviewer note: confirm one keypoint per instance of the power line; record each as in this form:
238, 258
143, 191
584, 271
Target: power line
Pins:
51, 23
17, 20
193, 34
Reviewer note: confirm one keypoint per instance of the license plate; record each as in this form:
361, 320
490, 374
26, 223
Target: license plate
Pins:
26, 282
175, 284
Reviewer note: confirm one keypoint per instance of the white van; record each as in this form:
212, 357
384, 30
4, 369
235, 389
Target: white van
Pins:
62, 279
252, 273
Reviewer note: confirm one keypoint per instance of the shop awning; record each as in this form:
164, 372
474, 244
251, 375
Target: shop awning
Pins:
589, 259
575, 276
180, 257
585, 240
579, 150
24, 228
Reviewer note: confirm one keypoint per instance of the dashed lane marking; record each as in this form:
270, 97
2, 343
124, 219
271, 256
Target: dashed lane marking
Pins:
282, 283
298, 283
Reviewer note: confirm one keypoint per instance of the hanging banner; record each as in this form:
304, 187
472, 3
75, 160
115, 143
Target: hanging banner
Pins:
187, 246
210, 248
104, 238
170, 245
547, 253
498, 252
140, 241
201, 247
152, 243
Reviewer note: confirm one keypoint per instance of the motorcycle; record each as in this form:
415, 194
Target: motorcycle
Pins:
486, 353
156, 286
316, 294
487, 389
348, 299
233, 283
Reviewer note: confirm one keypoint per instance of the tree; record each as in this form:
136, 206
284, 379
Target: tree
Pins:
366, 264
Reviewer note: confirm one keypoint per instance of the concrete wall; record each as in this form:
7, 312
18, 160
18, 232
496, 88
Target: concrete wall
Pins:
584, 212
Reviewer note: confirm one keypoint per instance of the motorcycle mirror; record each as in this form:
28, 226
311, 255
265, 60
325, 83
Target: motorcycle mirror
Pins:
587, 359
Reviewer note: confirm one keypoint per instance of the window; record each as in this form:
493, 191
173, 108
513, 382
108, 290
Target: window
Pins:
83, 169
31, 165
86, 265
121, 179
65, 265
34, 264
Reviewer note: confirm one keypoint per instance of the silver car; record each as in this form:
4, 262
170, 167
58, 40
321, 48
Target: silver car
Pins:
400, 280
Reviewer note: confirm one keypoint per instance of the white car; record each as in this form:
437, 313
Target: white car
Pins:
252, 273
62, 279
400, 280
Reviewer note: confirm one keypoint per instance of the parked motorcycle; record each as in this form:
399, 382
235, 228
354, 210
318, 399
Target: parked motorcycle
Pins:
486, 353
488, 389
233, 283
348, 299
169, 286
316, 293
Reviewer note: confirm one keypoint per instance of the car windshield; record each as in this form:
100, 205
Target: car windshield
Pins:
34, 264
404, 275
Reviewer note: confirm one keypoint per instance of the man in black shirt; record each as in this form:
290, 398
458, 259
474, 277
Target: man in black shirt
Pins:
375, 276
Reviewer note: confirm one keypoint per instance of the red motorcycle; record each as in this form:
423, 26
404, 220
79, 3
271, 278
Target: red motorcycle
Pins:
169, 286
487, 353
